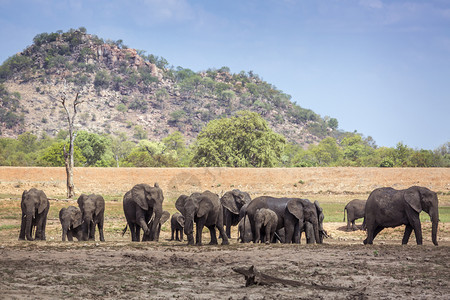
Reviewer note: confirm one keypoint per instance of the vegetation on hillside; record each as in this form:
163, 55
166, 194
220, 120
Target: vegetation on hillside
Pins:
148, 83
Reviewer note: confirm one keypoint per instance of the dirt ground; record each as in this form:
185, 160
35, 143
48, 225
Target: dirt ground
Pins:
341, 268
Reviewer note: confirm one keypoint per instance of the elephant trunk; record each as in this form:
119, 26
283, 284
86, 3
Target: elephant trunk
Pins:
316, 232
434, 227
87, 228
29, 224
65, 228
189, 229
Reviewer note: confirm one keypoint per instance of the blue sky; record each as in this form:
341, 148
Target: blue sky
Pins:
380, 67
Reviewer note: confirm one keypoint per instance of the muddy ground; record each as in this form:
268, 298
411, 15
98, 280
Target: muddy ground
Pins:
114, 270
341, 268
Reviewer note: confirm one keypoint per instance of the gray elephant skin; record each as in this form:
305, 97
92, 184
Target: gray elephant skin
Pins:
266, 222
203, 209
177, 226
355, 210
71, 220
139, 205
232, 202
387, 207
35, 206
164, 217
92, 210
245, 234
291, 213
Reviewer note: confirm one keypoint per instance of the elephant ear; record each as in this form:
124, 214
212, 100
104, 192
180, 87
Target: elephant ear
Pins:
61, 213
412, 197
179, 204
81, 200
43, 202
139, 196
164, 217
77, 218
296, 208
99, 204
204, 206
180, 220
229, 203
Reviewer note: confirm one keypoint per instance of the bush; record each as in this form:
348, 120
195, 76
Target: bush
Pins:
102, 80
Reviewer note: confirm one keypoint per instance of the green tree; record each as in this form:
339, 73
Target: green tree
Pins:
327, 152
53, 156
244, 140
92, 146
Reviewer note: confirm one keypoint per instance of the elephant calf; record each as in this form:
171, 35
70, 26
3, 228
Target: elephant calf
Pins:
92, 210
355, 210
164, 217
177, 226
266, 222
71, 220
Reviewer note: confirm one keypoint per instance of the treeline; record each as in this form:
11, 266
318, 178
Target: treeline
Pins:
244, 140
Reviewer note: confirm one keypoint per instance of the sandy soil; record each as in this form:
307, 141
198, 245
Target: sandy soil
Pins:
119, 269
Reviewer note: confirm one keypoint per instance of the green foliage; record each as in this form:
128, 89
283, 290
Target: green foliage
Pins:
53, 156
92, 146
9, 107
138, 104
241, 141
102, 80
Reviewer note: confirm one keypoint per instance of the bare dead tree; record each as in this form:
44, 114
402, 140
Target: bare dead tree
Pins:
68, 156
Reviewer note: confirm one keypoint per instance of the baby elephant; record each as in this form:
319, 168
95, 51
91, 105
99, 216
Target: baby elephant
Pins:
355, 210
70, 219
265, 219
177, 226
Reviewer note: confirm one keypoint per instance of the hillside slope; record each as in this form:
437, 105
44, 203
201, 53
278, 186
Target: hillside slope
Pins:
127, 91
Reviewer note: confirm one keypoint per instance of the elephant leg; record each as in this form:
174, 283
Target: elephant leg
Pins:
212, 231
267, 238
198, 234
288, 233
181, 235
348, 222
414, 221
354, 226
228, 224
22, 228
172, 234
100, 229
69, 236
138, 233
407, 234
298, 233
224, 235
92, 231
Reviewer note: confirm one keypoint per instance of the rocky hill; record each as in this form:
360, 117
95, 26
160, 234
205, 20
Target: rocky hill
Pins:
125, 90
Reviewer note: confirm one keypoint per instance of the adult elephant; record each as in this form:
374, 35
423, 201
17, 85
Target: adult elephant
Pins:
387, 207
92, 213
139, 205
71, 220
291, 213
205, 210
232, 202
308, 227
35, 206
355, 210
164, 217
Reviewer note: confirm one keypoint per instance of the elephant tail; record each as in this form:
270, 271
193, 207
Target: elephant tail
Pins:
344, 213
124, 230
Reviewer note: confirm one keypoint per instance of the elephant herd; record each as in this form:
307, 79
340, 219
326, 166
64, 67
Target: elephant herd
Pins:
264, 219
